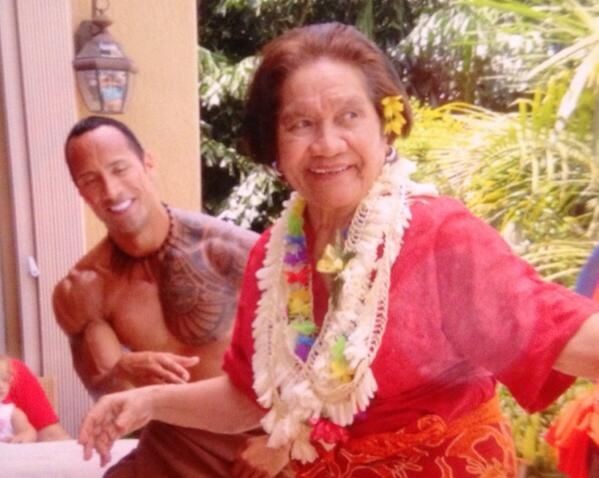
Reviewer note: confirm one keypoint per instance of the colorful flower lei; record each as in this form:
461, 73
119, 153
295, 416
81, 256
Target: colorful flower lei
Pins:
299, 303
304, 375
298, 273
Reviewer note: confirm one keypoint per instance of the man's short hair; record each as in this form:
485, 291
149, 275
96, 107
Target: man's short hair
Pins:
92, 122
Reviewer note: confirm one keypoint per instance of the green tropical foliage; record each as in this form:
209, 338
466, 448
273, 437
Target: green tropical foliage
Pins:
458, 54
528, 182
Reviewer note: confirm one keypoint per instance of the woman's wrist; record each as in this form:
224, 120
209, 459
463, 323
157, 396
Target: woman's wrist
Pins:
154, 395
159, 402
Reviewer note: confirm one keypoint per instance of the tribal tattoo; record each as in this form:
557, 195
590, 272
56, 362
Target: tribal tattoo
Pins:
199, 276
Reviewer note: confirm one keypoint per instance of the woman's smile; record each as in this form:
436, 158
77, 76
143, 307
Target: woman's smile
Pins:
329, 170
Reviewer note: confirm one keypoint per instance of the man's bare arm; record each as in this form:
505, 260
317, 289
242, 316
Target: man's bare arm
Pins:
78, 306
101, 361
96, 354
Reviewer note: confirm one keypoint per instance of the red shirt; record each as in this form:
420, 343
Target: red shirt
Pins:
27, 394
464, 311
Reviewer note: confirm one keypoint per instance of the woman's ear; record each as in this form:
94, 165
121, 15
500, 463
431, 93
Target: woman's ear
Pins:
390, 154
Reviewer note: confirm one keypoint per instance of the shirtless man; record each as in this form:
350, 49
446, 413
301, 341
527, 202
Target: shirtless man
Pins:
154, 301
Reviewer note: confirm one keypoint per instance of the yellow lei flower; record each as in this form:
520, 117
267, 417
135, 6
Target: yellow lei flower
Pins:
299, 303
330, 262
393, 113
341, 371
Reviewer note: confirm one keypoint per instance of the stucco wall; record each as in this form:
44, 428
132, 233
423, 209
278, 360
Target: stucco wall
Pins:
160, 36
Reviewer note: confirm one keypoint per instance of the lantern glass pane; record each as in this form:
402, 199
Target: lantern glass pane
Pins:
113, 89
87, 82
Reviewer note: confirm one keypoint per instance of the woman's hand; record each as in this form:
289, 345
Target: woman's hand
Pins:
256, 460
112, 417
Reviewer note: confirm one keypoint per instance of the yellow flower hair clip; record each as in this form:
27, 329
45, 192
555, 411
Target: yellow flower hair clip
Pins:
393, 113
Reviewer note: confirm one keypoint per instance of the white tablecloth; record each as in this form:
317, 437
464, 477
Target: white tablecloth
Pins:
56, 459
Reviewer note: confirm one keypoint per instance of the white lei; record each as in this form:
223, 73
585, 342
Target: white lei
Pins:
297, 392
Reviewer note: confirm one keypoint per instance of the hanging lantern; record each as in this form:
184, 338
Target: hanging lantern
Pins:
104, 72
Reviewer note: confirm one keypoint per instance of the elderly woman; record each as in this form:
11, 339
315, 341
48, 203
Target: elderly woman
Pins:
375, 317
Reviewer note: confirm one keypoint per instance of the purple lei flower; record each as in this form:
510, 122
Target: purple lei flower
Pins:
302, 351
294, 259
303, 345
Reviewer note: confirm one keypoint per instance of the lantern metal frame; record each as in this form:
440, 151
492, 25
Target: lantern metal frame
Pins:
104, 73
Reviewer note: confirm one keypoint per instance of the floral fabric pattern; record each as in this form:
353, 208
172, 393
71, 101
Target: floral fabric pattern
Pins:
477, 445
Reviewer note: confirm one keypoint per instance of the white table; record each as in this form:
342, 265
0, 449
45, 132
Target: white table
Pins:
55, 459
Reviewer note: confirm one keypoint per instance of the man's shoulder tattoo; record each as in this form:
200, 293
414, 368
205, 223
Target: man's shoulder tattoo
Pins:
198, 282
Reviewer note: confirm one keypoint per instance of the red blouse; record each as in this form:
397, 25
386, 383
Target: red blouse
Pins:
464, 311
27, 394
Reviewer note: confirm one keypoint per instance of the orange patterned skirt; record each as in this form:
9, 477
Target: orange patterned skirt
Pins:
477, 445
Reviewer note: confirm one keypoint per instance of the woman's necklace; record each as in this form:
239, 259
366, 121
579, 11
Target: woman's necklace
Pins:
302, 374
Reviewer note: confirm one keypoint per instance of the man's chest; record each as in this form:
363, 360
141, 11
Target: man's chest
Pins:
167, 305
134, 311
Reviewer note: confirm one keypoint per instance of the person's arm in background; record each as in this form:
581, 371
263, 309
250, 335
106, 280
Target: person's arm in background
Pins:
99, 358
28, 395
23, 430
586, 283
